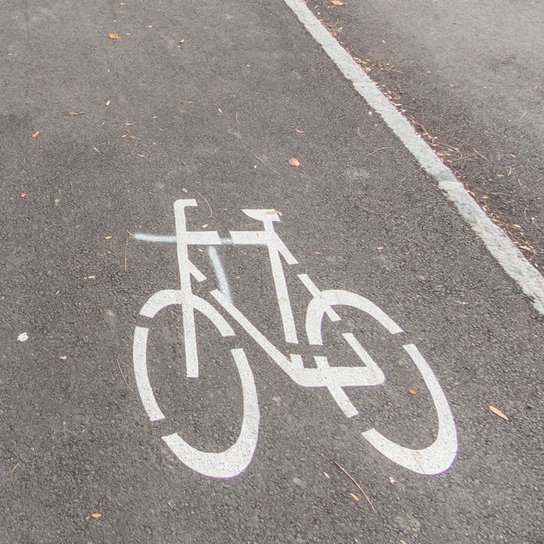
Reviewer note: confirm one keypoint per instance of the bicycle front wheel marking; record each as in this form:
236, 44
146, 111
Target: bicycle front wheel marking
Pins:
236, 458
142, 376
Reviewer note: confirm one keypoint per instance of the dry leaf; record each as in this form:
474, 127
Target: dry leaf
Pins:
299, 131
96, 515
63, 357
35, 134
273, 212
72, 113
113, 36
412, 391
293, 162
392, 480
108, 237
337, 2
24, 195
355, 497
497, 412
183, 190
204, 226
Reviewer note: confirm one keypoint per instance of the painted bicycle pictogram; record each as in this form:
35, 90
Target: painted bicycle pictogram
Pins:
432, 459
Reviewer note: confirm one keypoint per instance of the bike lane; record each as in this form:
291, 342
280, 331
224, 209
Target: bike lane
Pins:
209, 101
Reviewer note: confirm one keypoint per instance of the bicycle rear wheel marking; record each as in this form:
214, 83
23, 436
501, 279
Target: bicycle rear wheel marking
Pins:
440, 455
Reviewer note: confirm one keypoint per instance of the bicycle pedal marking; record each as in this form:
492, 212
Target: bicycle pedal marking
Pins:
433, 459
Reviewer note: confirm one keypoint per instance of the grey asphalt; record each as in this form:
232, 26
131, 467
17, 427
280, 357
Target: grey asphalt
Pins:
469, 74
216, 118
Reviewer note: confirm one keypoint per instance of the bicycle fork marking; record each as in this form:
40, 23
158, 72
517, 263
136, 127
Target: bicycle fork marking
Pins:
433, 459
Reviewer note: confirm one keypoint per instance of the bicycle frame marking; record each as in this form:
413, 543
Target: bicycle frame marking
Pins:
431, 460
293, 367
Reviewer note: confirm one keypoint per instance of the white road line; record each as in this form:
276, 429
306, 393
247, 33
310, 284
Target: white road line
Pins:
220, 274
497, 242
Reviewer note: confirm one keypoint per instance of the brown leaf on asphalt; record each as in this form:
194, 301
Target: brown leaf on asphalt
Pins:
497, 412
293, 162
337, 2
96, 515
36, 134
113, 36
63, 357
23, 195
412, 391
109, 237
72, 113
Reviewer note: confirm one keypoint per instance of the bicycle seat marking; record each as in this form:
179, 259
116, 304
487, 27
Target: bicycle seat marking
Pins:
433, 459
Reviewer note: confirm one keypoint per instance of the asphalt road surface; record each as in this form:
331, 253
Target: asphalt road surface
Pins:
208, 101
469, 74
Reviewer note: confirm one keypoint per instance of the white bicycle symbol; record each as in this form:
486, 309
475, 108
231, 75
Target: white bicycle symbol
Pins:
433, 459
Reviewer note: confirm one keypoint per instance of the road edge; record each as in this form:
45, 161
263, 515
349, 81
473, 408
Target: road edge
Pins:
510, 258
